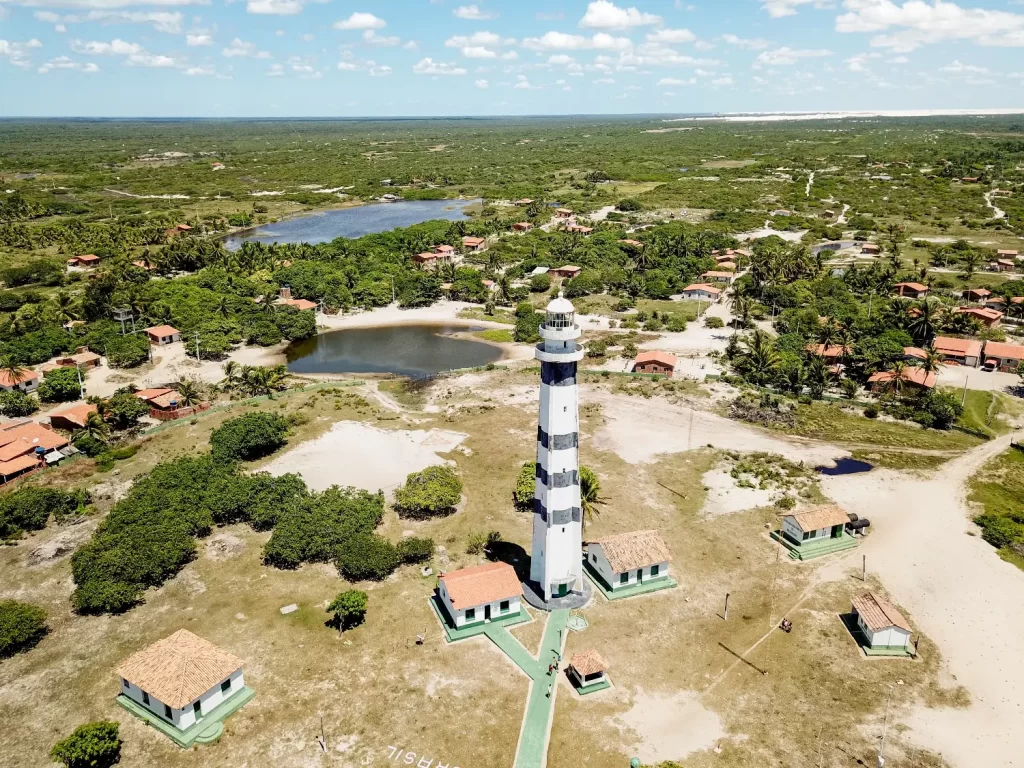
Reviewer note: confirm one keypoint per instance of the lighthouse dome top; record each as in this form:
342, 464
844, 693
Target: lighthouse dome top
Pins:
560, 306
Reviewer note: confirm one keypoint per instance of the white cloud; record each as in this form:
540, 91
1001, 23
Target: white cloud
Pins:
472, 13
785, 56
17, 53
199, 71
671, 36
427, 66
478, 52
63, 62
721, 82
604, 81
162, 21
381, 70
750, 44
105, 4
561, 59
274, 7
653, 55
194, 41
241, 49
560, 41
482, 84
523, 84
509, 56
360, 20
152, 60
779, 8
370, 37
482, 39
665, 81
858, 62
602, 14
957, 67
115, 47
916, 23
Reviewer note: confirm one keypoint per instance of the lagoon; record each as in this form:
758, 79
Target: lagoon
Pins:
405, 350
324, 226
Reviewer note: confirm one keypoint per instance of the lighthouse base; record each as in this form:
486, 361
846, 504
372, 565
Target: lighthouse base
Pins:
533, 593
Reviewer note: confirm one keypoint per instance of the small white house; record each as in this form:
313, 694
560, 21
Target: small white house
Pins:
702, 292
884, 628
181, 678
588, 671
25, 381
480, 594
825, 522
629, 559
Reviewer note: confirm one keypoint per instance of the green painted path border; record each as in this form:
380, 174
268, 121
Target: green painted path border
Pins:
818, 549
583, 690
210, 724
540, 707
665, 582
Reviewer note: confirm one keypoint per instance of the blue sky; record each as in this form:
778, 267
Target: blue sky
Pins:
238, 58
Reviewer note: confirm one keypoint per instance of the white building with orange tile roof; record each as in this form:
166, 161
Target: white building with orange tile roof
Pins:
883, 626
629, 559
480, 593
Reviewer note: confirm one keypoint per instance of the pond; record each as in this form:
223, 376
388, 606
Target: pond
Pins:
845, 466
324, 226
406, 350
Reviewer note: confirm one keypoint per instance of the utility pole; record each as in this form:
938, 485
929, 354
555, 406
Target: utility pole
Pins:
197, 345
81, 385
885, 729
964, 398
864, 568
725, 616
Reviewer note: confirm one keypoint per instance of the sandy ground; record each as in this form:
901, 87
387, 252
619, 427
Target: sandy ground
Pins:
725, 497
996, 381
364, 456
958, 592
670, 727
767, 231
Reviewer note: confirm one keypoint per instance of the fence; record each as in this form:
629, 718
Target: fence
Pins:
177, 413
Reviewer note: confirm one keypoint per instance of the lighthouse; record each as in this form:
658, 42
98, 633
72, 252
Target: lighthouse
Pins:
556, 568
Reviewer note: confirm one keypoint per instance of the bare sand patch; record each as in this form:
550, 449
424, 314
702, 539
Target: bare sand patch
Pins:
670, 727
352, 453
725, 497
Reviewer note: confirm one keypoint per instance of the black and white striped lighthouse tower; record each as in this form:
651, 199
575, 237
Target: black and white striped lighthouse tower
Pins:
556, 568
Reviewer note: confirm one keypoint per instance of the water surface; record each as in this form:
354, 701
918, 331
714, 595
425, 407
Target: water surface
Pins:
405, 350
845, 466
324, 226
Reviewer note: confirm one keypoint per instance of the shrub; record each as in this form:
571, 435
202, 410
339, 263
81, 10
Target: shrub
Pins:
540, 283
94, 745
653, 324
349, 609
676, 324
526, 486
30, 507
527, 328
366, 556
1000, 531
415, 550
629, 204
89, 445
434, 491
127, 351
713, 322
248, 437
597, 348
125, 410
21, 627
871, 411
60, 386
263, 334
785, 502
15, 404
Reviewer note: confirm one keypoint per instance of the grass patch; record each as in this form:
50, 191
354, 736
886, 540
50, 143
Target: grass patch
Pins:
496, 335
998, 489
499, 316
411, 394
983, 412
900, 459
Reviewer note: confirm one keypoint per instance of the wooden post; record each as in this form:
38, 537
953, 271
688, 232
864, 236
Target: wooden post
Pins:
864, 568
726, 615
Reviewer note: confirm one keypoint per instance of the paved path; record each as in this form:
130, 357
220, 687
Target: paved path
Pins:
533, 737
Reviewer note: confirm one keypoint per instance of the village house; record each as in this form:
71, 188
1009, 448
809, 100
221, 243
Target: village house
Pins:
73, 418
445, 250
913, 377
579, 229
631, 243
146, 265
26, 446
914, 354
568, 271
1004, 357
474, 244
522, 226
588, 672
727, 266
723, 257
996, 302
165, 404
702, 292
970, 179
816, 532
479, 594
161, 335
655, 361
976, 294
183, 685
524, 201
911, 290
958, 351
885, 631
1006, 253
563, 213
82, 358
1003, 265
990, 318
718, 276
428, 260
828, 351
871, 249
85, 261
284, 299
25, 381
628, 559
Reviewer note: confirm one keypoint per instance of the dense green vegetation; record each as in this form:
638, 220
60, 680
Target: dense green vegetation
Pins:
999, 489
434, 491
21, 626
249, 437
93, 745
29, 508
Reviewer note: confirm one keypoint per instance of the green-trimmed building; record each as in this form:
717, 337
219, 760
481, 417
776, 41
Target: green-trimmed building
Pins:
480, 594
884, 631
816, 532
588, 672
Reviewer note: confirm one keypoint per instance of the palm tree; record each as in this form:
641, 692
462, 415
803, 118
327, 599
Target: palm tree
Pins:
742, 306
932, 361
970, 259
590, 495
503, 289
795, 378
894, 386
65, 308
231, 374
188, 393
14, 370
95, 427
819, 375
923, 326
761, 360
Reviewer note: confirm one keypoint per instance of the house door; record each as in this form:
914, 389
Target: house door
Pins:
563, 590
639, 575
487, 613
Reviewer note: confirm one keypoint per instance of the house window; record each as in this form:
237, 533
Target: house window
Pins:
593, 557
503, 606
225, 686
197, 708
145, 698
167, 711
654, 570
470, 614
125, 683
623, 578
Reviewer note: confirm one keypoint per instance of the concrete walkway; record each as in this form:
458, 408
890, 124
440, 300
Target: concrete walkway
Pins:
533, 737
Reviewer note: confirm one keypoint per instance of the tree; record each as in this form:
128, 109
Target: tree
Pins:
923, 325
366, 556
760, 361
349, 609
95, 428
60, 386
528, 320
127, 351
188, 393
248, 437
434, 491
896, 383
14, 404
21, 627
94, 745
932, 362
125, 409
526, 486
14, 371
590, 495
